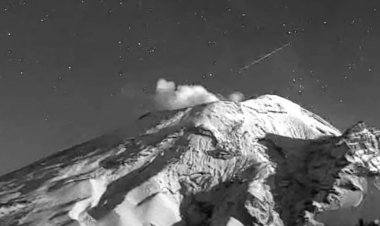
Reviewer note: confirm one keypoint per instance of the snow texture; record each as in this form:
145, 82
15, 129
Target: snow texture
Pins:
263, 161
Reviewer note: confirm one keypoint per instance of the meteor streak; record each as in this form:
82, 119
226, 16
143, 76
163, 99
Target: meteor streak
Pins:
246, 67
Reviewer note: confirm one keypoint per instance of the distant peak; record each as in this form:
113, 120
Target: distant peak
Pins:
357, 128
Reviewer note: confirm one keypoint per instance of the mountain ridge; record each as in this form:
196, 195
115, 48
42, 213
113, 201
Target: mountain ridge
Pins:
264, 161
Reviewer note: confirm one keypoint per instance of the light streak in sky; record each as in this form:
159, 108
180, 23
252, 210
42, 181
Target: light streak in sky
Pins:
246, 67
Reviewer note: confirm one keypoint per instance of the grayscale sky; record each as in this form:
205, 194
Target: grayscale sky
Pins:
71, 70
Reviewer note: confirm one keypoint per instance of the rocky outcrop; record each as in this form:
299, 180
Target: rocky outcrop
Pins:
264, 161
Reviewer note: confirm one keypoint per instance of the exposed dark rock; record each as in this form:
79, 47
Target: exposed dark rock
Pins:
262, 162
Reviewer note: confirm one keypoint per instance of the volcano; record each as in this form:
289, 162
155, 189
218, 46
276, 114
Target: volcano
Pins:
264, 162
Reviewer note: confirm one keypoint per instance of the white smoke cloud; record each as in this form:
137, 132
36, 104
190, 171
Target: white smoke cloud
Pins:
236, 97
168, 96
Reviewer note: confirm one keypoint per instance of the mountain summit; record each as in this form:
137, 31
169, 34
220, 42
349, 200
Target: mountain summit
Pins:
264, 161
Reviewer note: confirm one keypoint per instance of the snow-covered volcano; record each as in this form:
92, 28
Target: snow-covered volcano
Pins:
264, 161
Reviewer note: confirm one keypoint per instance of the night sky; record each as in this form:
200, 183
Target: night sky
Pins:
71, 70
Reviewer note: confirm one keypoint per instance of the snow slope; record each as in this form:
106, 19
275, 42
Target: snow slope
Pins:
264, 161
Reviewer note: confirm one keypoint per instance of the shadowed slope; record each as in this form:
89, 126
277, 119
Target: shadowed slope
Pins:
264, 161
